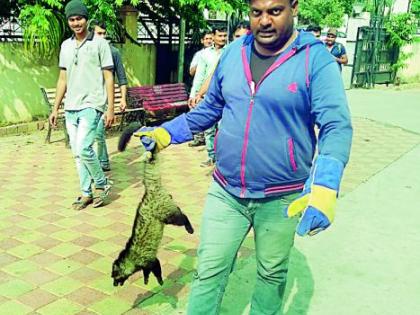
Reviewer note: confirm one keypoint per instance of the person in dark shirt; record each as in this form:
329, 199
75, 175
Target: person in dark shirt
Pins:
336, 49
119, 72
315, 29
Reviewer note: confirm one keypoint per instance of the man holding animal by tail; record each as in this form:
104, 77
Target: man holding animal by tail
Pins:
269, 91
86, 75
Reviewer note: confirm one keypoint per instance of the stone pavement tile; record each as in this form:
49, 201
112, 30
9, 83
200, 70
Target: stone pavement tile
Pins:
62, 307
15, 288
47, 242
86, 312
86, 296
29, 236
6, 259
62, 286
85, 241
13, 307
103, 284
5, 277
39, 277
37, 298
111, 306
64, 266
85, 275
104, 248
65, 249
131, 293
102, 264
65, 235
25, 250
45, 258
85, 256
20, 267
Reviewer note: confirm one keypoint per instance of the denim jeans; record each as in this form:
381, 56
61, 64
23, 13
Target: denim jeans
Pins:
225, 224
81, 126
209, 135
102, 150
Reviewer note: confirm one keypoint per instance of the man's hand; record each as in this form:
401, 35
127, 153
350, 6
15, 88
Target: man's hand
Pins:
318, 199
158, 135
193, 102
123, 105
109, 119
53, 118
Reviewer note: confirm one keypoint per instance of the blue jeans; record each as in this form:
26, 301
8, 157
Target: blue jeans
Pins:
225, 224
81, 126
102, 150
209, 135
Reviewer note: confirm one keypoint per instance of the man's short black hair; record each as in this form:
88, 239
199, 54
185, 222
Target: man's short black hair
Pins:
242, 25
94, 23
313, 28
220, 29
205, 32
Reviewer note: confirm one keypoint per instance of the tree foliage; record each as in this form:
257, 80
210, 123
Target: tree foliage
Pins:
415, 9
402, 28
44, 23
321, 12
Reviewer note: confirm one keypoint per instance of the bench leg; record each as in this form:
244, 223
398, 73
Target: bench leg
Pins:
48, 138
122, 122
66, 136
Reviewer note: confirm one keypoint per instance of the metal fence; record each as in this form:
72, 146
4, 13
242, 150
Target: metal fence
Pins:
374, 58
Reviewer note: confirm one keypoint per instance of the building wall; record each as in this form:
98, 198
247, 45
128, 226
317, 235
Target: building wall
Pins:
22, 75
411, 73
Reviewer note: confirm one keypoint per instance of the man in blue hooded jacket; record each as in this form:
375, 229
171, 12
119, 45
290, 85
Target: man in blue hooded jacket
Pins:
269, 91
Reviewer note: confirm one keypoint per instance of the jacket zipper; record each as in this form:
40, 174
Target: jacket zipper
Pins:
254, 89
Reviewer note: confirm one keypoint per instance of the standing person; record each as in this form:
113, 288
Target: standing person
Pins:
100, 30
205, 68
206, 41
336, 49
269, 91
86, 75
241, 29
315, 29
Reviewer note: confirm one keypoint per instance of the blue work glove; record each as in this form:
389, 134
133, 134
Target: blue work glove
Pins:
319, 196
154, 138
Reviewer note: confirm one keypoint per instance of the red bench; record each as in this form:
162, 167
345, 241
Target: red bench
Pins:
160, 102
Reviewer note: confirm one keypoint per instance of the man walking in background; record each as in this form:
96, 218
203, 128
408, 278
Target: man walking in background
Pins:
206, 65
206, 41
86, 79
100, 30
336, 49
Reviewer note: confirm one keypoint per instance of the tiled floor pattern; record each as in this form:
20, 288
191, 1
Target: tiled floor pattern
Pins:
54, 260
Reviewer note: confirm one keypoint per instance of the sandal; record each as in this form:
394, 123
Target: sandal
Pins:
101, 196
82, 202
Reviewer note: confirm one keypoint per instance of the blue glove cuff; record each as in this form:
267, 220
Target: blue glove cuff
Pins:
327, 172
178, 129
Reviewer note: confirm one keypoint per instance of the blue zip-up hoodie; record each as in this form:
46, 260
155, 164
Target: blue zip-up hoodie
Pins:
266, 139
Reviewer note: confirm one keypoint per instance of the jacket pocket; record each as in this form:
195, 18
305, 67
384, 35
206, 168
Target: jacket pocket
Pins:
291, 153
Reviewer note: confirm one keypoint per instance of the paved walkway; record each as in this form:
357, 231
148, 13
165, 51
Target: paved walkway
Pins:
54, 260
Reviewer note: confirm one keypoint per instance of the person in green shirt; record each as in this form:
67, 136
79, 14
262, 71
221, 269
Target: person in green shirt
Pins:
119, 72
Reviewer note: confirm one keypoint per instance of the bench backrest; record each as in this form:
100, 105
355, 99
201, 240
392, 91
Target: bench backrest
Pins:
162, 97
49, 95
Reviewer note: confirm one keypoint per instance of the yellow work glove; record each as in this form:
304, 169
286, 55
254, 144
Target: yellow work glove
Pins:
319, 197
154, 138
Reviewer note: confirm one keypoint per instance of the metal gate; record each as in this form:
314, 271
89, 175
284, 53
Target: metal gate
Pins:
374, 58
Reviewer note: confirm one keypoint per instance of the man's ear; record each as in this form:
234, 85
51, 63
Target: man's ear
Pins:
295, 5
